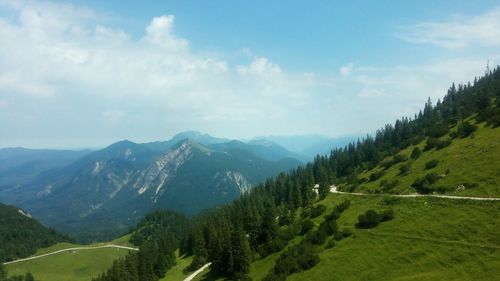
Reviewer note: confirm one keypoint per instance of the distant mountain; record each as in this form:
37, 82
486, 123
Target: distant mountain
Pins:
18, 165
105, 192
307, 146
21, 235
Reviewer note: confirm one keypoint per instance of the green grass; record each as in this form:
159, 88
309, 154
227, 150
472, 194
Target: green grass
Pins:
176, 273
75, 266
429, 239
471, 160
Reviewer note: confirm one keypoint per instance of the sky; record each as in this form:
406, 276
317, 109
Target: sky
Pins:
79, 74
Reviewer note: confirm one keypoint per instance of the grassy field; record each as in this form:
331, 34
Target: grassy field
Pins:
75, 266
472, 162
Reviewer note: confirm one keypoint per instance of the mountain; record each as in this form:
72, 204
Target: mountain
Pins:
105, 192
19, 165
307, 146
21, 235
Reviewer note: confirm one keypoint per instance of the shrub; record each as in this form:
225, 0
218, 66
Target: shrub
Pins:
436, 143
431, 164
400, 158
443, 143
438, 130
317, 210
346, 232
375, 176
387, 185
371, 218
465, 129
405, 169
331, 243
342, 206
424, 185
368, 220
306, 226
415, 153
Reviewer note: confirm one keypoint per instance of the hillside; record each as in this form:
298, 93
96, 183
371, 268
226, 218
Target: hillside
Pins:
21, 235
468, 166
429, 239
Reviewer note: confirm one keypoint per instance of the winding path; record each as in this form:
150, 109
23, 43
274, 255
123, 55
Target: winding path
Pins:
193, 275
72, 249
333, 189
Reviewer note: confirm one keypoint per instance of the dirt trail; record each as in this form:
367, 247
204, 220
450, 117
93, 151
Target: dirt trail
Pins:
72, 249
193, 275
333, 189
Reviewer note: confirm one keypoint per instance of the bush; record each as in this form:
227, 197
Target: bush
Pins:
387, 185
306, 226
317, 210
443, 143
424, 185
436, 143
431, 164
465, 129
347, 232
400, 158
415, 153
405, 169
375, 176
438, 130
371, 218
331, 243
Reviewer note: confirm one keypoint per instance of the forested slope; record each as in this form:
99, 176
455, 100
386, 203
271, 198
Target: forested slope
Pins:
21, 235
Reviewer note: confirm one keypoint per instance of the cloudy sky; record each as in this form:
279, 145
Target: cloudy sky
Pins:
87, 73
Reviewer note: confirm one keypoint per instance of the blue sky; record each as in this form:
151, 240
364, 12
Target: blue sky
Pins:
88, 73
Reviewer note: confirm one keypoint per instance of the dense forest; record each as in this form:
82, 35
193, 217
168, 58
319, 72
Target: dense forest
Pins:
21, 235
263, 220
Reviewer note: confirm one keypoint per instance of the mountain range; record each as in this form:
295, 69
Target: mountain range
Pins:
100, 194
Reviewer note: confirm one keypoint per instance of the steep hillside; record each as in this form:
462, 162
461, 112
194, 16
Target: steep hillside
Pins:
468, 166
21, 235
428, 239
108, 191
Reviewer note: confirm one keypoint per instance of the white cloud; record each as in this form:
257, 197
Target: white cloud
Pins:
259, 66
458, 32
159, 31
346, 69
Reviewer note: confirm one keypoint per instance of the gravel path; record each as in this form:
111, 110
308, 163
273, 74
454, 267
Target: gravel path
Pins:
333, 189
72, 249
193, 275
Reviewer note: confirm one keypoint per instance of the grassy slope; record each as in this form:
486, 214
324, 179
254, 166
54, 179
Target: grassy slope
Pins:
81, 265
469, 160
429, 239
